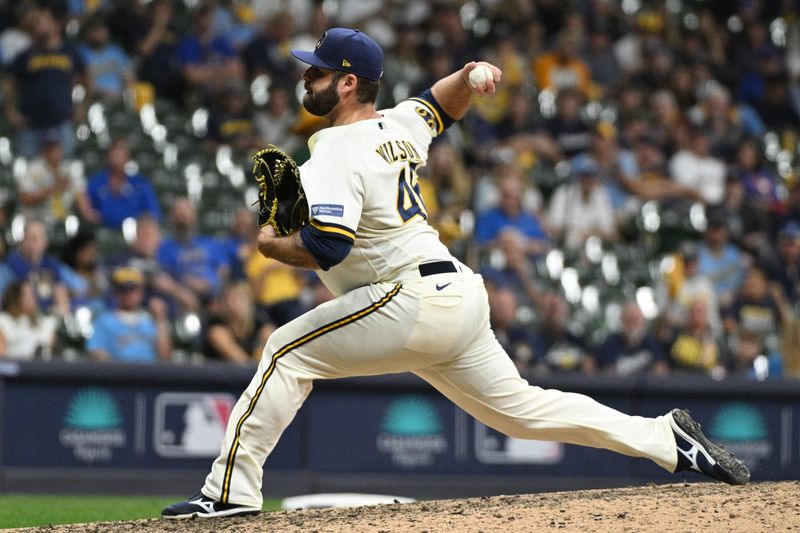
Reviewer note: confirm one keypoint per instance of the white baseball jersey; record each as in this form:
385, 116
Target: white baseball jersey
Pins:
393, 315
361, 183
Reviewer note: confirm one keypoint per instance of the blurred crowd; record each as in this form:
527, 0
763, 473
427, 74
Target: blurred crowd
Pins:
630, 194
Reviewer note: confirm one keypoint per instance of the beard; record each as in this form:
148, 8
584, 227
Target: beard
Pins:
322, 102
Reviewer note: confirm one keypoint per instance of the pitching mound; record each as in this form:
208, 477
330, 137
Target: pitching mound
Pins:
690, 507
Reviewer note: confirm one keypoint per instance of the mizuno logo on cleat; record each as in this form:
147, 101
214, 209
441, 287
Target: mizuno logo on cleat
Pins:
691, 455
440, 287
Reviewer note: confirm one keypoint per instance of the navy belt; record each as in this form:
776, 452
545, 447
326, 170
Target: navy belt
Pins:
437, 267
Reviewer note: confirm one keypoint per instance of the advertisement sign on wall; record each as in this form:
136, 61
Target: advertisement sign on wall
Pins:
93, 427
741, 428
411, 432
190, 424
494, 448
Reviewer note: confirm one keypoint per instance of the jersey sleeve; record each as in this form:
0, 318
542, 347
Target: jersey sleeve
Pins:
335, 195
429, 114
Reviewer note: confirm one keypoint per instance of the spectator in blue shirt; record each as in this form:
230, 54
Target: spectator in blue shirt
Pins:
142, 254
38, 92
128, 332
507, 266
31, 262
240, 242
109, 67
115, 195
720, 259
208, 61
195, 261
634, 349
510, 213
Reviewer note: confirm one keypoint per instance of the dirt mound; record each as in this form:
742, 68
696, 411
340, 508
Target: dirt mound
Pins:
685, 507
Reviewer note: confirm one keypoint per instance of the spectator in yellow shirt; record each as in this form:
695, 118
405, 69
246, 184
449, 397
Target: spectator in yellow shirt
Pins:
561, 68
276, 287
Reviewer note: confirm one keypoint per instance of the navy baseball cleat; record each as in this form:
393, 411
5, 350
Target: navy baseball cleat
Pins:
697, 453
204, 507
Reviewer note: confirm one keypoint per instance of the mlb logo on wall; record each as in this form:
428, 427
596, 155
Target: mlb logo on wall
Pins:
190, 424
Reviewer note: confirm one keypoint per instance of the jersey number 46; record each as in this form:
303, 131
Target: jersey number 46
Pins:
409, 199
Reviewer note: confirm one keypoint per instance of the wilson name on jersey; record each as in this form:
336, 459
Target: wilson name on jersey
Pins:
361, 183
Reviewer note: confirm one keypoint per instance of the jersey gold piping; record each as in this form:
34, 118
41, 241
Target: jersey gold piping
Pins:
226, 484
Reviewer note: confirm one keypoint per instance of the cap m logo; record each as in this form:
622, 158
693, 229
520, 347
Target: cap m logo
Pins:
346, 63
319, 43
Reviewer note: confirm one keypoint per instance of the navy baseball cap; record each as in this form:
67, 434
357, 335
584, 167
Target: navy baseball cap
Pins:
346, 50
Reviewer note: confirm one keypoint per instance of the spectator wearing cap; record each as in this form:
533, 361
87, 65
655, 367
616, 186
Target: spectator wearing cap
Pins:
582, 209
720, 259
38, 91
116, 195
696, 168
617, 166
127, 332
53, 187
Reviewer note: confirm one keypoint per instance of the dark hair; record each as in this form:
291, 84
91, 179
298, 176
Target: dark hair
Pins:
367, 90
75, 245
12, 297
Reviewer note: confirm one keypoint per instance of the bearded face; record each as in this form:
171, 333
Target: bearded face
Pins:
321, 103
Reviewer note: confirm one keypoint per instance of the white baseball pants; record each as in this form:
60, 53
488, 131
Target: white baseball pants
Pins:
437, 327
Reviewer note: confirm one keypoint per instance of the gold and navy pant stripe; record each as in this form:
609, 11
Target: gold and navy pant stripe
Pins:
308, 337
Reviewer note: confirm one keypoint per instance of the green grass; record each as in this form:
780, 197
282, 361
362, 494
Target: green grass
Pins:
24, 510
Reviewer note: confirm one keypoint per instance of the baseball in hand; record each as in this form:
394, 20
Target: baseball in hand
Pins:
479, 76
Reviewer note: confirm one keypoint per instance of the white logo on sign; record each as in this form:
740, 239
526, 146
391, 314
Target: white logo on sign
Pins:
204, 417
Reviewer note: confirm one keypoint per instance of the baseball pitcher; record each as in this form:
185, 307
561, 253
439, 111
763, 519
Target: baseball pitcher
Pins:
403, 302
